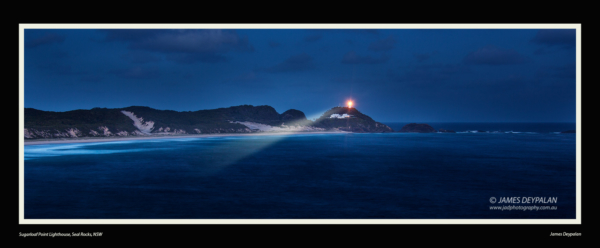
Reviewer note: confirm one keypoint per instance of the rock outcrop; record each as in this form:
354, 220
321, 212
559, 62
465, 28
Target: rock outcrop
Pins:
417, 128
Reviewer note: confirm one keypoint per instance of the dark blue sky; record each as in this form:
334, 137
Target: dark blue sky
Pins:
456, 75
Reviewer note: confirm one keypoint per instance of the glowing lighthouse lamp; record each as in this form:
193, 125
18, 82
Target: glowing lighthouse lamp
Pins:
350, 104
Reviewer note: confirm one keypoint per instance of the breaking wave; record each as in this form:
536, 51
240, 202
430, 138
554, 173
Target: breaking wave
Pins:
40, 151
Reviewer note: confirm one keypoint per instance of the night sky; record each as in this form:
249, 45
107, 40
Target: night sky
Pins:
404, 75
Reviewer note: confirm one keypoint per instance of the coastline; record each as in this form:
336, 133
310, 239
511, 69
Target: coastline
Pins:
109, 139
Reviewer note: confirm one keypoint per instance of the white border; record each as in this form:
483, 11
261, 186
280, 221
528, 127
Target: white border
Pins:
300, 26
21, 124
22, 220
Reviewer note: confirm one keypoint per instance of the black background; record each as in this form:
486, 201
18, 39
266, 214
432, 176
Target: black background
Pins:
221, 234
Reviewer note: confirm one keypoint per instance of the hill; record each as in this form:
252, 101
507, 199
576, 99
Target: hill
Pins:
141, 120
356, 122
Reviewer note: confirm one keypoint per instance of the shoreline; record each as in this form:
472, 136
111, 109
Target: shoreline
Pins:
109, 139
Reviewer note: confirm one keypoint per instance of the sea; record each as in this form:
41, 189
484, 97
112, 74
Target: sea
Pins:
484, 171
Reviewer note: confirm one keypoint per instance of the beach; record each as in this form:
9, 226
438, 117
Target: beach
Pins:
109, 139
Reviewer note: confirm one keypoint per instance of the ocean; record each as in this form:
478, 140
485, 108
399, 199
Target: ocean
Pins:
459, 175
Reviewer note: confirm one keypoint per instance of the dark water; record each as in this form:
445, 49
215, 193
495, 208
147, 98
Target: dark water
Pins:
389, 176
495, 126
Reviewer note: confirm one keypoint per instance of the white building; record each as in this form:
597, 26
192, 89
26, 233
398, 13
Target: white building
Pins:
340, 116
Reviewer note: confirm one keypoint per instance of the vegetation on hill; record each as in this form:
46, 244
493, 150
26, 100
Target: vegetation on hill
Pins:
81, 119
207, 121
293, 115
204, 121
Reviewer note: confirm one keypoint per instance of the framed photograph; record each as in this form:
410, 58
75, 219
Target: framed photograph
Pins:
300, 124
